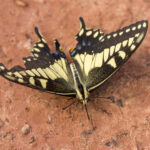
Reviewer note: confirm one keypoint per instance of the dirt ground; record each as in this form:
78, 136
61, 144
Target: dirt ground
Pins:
33, 120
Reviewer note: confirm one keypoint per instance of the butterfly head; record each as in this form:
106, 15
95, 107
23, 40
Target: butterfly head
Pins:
84, 101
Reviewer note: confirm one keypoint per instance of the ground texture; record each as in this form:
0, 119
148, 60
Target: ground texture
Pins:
30, 119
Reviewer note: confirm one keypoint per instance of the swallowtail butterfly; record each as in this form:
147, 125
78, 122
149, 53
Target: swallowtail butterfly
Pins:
96, 57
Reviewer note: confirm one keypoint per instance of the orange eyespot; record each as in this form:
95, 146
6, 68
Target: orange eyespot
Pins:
71, 50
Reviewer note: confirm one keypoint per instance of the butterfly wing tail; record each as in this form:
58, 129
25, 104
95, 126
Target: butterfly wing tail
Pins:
3, 69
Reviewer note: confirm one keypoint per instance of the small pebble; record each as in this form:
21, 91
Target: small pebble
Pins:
21, 3
32, 139
26, 129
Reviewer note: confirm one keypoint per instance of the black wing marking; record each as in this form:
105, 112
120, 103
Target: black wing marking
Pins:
98, 56
44, 70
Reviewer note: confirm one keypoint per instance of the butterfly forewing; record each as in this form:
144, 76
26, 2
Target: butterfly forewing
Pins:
98, 56
44, 70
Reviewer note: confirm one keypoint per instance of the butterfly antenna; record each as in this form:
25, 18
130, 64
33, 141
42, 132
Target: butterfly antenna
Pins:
37, 32
109, 99
87, 112
82, 22
69, 105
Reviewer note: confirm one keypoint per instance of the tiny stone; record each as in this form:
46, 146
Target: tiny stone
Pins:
108, 143
49, 119
26, 129
119, 103
32, 139
114, 142
27, 36
27, 109
21, 3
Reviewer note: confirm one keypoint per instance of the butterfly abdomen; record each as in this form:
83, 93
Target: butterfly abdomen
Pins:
81, 91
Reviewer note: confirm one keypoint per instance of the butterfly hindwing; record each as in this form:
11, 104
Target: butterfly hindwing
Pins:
98, 56
44, 70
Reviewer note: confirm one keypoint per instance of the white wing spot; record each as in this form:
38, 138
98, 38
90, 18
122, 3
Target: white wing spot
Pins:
29, 59
100, 38
88, 33
130, 41
112, 62
20, 80
139, 26
2, 68
36, 55
9, 73
127, 30
136, 35
112, 48
140, 38
108, 37
43, 40
81, 32
95, 34
106, 54
115, 34
132, 47
122, 54
41, 45
124, 43
117, 47
133, 28
120, 33
144, 24
32, 81
43, 83
36, 49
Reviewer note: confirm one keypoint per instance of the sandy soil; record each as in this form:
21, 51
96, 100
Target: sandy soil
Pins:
30, 119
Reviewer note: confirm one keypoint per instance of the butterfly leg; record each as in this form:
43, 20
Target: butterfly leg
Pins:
109, 99
69, 105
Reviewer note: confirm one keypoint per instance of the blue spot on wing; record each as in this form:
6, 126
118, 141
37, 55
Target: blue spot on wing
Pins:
73, 52
89, 43
78, 47
83, 43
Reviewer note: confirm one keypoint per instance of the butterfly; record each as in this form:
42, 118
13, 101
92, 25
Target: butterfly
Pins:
96, 57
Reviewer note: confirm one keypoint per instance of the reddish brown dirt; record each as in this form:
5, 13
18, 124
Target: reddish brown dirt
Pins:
118, 128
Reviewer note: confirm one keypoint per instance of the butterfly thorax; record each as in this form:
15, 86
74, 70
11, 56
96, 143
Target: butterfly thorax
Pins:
79, 86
